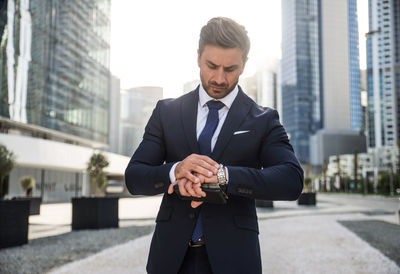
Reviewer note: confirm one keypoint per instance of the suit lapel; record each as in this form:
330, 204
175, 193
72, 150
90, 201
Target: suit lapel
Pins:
189, 119
236, 114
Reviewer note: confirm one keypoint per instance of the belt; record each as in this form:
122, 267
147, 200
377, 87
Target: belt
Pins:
198, 243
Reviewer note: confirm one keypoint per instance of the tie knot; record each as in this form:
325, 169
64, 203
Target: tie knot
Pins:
212, 104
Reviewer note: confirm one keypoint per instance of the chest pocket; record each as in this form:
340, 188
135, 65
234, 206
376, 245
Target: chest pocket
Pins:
243, 147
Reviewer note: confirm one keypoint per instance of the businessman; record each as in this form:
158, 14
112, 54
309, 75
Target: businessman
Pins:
214, 134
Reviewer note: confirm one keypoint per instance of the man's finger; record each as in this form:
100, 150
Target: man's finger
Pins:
203, 171
171, 188
208, 161
189, 189
195, 204
182, 189
197, 189
196, 163
189, 176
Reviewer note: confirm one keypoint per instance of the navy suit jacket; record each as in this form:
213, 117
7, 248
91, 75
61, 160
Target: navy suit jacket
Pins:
261, 165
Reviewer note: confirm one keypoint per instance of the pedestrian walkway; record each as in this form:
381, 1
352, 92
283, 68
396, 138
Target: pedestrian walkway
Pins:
55, 219
293, 239
299, 244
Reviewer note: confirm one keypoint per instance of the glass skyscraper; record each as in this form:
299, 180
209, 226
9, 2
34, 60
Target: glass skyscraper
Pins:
301, 78
320, 70
356, 120
383, 73
55, 88
54, 65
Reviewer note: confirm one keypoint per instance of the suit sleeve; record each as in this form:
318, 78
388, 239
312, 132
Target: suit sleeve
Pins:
147, 174
281, 177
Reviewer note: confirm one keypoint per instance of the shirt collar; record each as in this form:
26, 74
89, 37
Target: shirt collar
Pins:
227, 100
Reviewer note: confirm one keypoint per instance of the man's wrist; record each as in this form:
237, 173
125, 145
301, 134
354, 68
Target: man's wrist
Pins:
172, 177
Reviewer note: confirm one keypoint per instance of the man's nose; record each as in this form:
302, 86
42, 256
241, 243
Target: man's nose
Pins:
219, 76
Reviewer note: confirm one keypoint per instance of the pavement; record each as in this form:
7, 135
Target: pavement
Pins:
333, 237
55, 219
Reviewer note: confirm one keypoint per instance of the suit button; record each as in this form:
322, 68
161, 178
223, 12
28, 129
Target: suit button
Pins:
192, 216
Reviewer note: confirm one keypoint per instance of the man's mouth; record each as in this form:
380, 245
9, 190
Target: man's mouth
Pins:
217, 87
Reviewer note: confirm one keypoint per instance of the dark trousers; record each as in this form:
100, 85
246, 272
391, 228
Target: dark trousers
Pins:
196, 261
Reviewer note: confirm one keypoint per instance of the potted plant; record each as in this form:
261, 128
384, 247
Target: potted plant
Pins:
308, 196
28, 183
13, 214
100, 211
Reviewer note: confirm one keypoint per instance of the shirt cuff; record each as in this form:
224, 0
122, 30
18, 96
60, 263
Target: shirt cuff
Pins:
172, 177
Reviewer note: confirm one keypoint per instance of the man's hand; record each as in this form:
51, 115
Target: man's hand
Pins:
199, 164
187, 188
193, 204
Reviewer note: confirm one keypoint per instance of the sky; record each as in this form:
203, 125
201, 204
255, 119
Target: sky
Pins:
155, 42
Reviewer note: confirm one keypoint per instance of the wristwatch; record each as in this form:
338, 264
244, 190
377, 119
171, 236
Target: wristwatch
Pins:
221, 175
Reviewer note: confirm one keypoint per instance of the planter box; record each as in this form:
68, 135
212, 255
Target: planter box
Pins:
264, 203
13, 223
307, 199
34, 204
94, 213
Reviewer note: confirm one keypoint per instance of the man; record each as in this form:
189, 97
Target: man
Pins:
213, 134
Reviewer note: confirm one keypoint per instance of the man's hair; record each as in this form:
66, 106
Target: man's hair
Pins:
226, 33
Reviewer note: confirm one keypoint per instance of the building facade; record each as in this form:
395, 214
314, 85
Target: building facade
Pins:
55, 91
55, 66
301, 83
137, 105
369, 165
320, 77
383, 73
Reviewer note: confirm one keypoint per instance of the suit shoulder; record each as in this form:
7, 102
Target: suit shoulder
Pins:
256, 109
264, 111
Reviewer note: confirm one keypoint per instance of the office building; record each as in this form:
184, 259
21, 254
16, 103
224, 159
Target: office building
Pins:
320, 79
262, 86
137, 105
55, 92
302, 113
114, 114
267, 84
383, 73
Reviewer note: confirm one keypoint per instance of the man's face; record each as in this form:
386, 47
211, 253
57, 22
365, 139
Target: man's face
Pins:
220, 69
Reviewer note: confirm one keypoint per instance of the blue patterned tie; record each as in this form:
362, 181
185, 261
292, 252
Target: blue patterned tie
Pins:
205, 149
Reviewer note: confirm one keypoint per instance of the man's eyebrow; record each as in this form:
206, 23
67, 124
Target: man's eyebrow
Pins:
211, 63
227, 68
231, 67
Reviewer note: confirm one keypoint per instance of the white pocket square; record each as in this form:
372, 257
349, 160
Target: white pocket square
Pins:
240, 132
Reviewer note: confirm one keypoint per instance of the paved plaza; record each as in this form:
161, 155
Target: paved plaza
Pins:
336, 236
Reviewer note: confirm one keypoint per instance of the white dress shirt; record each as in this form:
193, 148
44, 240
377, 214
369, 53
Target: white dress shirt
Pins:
202, 113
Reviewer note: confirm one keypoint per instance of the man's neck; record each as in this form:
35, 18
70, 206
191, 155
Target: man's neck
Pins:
204, 97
